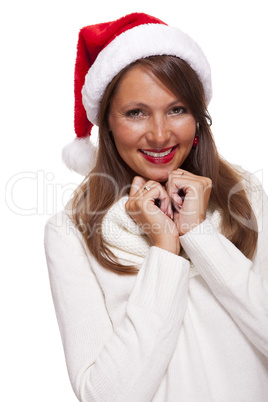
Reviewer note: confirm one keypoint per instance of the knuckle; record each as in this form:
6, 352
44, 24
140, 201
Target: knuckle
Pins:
138, 203
127, 206
209, 181
173, 175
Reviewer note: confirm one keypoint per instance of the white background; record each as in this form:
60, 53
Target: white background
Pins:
38, 47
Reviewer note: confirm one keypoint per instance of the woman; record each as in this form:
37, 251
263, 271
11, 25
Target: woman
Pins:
158, 264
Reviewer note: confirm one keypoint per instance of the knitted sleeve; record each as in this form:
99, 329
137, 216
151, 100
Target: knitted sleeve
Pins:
240, 285
125, 363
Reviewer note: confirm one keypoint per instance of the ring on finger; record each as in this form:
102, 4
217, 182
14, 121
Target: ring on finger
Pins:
147, 188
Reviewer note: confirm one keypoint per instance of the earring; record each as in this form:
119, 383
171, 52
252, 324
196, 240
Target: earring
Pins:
195, 142
196, 138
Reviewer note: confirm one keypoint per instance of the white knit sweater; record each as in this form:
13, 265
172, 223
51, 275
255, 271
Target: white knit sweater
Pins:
183, 330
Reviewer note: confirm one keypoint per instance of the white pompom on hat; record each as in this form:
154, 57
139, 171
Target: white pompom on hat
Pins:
103, 50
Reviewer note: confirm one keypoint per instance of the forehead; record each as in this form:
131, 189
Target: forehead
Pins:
140, 82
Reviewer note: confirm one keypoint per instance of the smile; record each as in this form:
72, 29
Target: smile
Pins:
159, 157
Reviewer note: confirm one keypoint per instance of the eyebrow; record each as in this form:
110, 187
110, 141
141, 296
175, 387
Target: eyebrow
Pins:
144, 105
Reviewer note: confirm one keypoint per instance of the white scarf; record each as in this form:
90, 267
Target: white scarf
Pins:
123, 236
127, 240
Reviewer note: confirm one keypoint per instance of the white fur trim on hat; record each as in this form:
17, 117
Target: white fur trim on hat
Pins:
80, 155
139, 42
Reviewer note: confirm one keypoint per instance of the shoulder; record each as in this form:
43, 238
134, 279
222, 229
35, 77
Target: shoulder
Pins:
61, 231
250, 180
59, 222
251, 183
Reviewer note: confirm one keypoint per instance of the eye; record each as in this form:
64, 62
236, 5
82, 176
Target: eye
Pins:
178, 110
134, 113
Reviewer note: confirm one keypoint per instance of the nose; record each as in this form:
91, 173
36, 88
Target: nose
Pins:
158, 133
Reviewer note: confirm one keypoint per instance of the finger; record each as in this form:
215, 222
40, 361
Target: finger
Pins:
163, 202
177, 202
146, 187
137, 183
155, 193
169, 212
182, 173
178, 180
178, 186
141, 193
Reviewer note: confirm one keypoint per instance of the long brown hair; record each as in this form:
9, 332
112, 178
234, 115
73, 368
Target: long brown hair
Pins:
111, 177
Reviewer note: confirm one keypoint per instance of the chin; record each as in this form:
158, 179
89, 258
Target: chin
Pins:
159, 176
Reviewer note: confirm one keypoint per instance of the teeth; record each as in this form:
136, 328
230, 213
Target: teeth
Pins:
158, 154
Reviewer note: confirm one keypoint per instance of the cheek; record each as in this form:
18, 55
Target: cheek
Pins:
185, 132
117, 131
125, 135
125, 148
123, 139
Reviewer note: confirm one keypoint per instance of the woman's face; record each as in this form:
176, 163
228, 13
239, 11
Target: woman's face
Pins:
152, 128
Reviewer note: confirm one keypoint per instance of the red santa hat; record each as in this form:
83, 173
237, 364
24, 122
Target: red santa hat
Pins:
103, 50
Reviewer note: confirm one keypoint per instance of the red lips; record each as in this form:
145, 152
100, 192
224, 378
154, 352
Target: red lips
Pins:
158, 160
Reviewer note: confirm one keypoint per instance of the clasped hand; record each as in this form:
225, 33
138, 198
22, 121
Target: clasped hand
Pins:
162, 213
